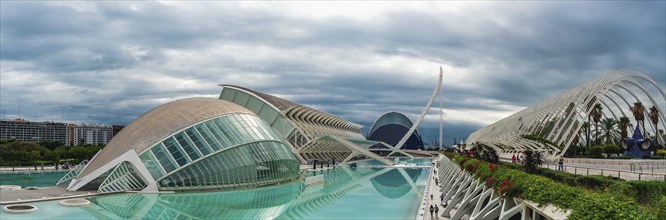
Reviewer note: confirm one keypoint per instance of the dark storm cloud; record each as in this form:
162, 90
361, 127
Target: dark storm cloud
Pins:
105, 62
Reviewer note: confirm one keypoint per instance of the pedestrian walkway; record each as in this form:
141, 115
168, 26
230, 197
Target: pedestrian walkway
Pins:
434, 196
31, 169
606, 168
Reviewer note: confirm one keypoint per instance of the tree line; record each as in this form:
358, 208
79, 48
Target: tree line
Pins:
22, 153
604, 135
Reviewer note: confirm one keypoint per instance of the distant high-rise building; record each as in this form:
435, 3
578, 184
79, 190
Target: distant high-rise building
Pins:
22, 130
70, 134
97, 134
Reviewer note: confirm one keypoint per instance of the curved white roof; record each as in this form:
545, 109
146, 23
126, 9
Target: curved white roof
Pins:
158, 123
560, 118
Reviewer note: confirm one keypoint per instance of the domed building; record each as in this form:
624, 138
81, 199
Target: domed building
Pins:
190, 144
390, 128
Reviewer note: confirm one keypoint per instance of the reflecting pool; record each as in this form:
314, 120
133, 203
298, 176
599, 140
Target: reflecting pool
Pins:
361, 192
41, 179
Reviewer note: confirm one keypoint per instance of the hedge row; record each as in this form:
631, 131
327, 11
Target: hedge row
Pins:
646, 193
617, 200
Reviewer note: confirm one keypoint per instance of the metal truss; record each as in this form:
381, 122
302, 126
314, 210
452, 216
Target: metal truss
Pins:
467, 197
72, 173
559, 119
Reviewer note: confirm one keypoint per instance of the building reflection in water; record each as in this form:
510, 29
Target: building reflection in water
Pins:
286, 201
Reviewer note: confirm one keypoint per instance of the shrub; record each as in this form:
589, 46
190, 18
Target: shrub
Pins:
653, 157
611, 149
595, 151
533, 160
595, 181
558, 176
606, 206
647, 192
486, 153
661, 212
513, 166
659, 154
607, 198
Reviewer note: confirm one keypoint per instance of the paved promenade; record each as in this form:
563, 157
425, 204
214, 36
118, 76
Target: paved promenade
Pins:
41, 194
611, 170
31, 169
433, 197
625, 169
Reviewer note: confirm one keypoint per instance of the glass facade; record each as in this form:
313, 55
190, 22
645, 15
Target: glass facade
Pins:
265, 111
257, 163
230, 150
123, 177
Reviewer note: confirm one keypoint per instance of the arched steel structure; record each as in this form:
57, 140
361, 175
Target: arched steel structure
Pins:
425, 110
559, 119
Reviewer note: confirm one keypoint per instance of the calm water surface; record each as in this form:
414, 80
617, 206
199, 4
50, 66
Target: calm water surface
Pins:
348, 193
42, 179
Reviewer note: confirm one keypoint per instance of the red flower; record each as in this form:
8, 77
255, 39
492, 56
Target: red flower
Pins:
491, 167
511, 184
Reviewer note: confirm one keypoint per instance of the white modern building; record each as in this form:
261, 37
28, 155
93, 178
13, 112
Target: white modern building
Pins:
96, 134
189, 144
23, 130
574, 116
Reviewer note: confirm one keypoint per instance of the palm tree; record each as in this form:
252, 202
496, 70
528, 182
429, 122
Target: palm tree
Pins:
589, 106
586, 127
623, 123
654, 117
574, 144
638, 109
596, 117
575, 140
609, 129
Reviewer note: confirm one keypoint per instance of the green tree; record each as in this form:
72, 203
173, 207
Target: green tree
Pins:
51, 145
609, 131
623, 123
54, 156
33, 156
596, 117
638, 111
586, 127
21, 152
533, 159
654, 117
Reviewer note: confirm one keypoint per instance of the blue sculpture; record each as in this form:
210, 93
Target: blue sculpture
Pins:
637, 146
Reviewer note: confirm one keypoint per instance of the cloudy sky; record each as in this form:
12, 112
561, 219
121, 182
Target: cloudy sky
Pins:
108, 62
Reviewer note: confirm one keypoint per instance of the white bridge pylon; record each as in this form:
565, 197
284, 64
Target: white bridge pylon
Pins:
424, 112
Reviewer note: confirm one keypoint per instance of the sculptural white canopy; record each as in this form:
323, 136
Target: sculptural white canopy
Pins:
559, 120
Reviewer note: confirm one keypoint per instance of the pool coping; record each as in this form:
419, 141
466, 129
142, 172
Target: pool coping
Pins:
43, 199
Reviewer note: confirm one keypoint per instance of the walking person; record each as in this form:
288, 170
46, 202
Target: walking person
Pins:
431, 209
513, 158
436, 211
560, 164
